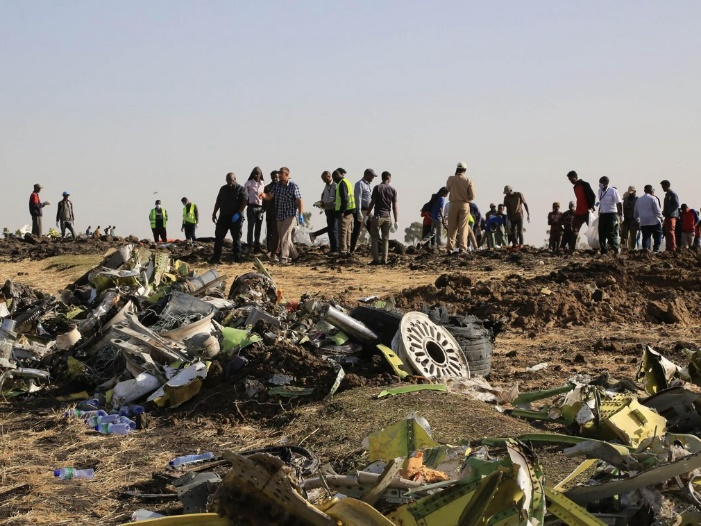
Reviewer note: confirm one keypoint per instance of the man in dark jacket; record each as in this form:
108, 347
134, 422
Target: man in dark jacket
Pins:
586, 199
629, 234
230, 203
35, 209
271, 238
670, 212
64, 215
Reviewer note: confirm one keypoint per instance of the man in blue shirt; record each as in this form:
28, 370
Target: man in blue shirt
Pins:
438, 220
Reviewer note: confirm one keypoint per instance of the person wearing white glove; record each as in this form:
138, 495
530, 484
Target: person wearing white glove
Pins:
384, 202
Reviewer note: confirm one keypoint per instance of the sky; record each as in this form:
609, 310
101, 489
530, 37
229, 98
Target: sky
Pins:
121, 103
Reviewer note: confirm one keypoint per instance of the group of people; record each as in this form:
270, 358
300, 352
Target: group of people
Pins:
628, 218
453, 208
65, 216
639, 221
350, 208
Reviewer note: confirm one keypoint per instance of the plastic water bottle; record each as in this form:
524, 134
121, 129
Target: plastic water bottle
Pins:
72, 473
96, 420
190, 459
79, 413
128, 421
131, 410
113, 429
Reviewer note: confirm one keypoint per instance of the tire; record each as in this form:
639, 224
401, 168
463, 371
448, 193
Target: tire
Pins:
476, 347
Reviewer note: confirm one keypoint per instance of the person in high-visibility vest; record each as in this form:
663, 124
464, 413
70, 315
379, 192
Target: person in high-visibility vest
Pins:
345, 209
158, 218
191, 218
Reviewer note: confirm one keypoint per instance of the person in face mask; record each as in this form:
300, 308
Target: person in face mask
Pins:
610, 215
158, 218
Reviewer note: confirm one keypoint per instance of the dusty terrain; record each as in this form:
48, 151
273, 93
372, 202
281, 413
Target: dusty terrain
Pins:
580, 313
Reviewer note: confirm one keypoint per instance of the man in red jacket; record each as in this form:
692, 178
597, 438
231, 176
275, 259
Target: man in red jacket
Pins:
690, 219
586, 199
35, 209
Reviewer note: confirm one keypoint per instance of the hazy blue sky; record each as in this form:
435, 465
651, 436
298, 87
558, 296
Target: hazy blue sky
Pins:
114, 101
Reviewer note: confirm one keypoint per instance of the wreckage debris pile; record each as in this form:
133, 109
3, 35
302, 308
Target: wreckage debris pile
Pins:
142, 326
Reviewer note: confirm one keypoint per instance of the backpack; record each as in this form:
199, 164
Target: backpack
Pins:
427, 207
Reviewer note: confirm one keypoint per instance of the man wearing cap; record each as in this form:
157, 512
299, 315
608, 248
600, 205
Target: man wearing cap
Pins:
158, 218
461, 194
35, 209
288, 204
384, 200
64, 215
515, 203
191, 217
362, 191
689, 219
649, 215
629, 230
670, 212
345, 209
230, 204
586, 200
610, 212
272, 241
554, 219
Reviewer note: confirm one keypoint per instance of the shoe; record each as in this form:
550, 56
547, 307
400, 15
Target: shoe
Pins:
383, 262
213, 261
375, 263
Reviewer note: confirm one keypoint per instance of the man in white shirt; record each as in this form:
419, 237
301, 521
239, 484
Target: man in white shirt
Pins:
610, 214
649, 215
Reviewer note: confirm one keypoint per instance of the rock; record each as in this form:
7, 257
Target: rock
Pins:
579, 358
599, 295
674, 311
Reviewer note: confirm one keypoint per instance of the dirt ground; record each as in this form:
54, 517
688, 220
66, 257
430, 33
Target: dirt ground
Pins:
581, 314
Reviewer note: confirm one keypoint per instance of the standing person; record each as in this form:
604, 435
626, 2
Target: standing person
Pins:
288, 204
384, 201
586, 199
97, 234
35, 209
515, 203
230, 203
567, 222
108, 230
328, 204
476, 224
629, 232
670, 212
363, 194
271, 239
254, 213
554, 219
649, 215
88, 231
345, 209
64, 215
461, 193
191, 217
438, 219
158, 218
610, 211
689, 218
